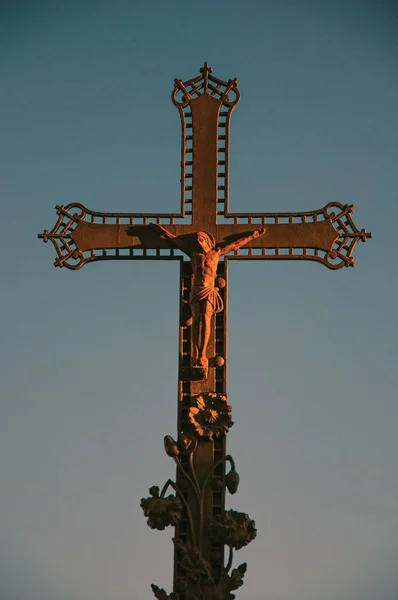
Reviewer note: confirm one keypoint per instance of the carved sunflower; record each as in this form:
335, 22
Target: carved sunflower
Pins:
232, 528
211, 416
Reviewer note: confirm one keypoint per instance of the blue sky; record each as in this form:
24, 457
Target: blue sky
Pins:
89, 359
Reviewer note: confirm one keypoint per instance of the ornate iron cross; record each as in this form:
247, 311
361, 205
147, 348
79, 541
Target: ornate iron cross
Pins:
205, 231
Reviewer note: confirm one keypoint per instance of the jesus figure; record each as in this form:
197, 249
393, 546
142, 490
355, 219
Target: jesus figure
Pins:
205, 300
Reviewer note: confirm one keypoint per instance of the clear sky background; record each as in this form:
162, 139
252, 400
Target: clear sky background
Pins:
89, 358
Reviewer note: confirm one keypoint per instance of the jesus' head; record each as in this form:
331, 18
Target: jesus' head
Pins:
205, 240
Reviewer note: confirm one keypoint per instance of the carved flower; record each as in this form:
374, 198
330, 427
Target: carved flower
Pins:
161, 512
211, 416
233, 528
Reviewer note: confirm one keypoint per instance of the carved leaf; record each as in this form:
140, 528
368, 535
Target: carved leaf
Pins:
231, 582
160, 594
237, 576
193, 563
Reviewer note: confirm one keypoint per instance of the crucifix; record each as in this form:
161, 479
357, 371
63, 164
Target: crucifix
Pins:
203, 236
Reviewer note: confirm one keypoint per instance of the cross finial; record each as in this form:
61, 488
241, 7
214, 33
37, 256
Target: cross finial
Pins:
206, 70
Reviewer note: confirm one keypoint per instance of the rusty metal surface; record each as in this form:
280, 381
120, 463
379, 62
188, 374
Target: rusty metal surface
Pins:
205, 103
208, 452
327, 235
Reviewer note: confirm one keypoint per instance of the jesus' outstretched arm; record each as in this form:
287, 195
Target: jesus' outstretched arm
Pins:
241, 241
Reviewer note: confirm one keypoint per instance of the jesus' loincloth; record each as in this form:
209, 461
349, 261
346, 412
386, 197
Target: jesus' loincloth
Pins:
209, 293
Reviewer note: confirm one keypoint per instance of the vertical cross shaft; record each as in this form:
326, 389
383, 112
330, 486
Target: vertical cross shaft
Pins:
205, 105
208, 451
205, 110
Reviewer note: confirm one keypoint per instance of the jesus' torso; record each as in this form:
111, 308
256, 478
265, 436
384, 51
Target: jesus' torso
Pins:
204, 267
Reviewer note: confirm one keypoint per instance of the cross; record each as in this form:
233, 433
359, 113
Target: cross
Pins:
203, 225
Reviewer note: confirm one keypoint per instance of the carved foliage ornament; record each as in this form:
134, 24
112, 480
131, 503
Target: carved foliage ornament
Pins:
198, 581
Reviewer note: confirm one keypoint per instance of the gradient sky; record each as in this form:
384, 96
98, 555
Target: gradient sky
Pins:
89, 358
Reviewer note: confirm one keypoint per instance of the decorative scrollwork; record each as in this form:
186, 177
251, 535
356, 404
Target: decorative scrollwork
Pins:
205, 83
340, 255
327, 235
81, 235
68, 254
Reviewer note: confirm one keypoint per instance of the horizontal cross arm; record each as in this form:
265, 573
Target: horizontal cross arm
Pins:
327, 235
93, 236
284, 235
80, 235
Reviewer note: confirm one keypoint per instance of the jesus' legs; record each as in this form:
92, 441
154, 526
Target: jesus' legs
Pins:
204, 335
202, 313
195, 331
